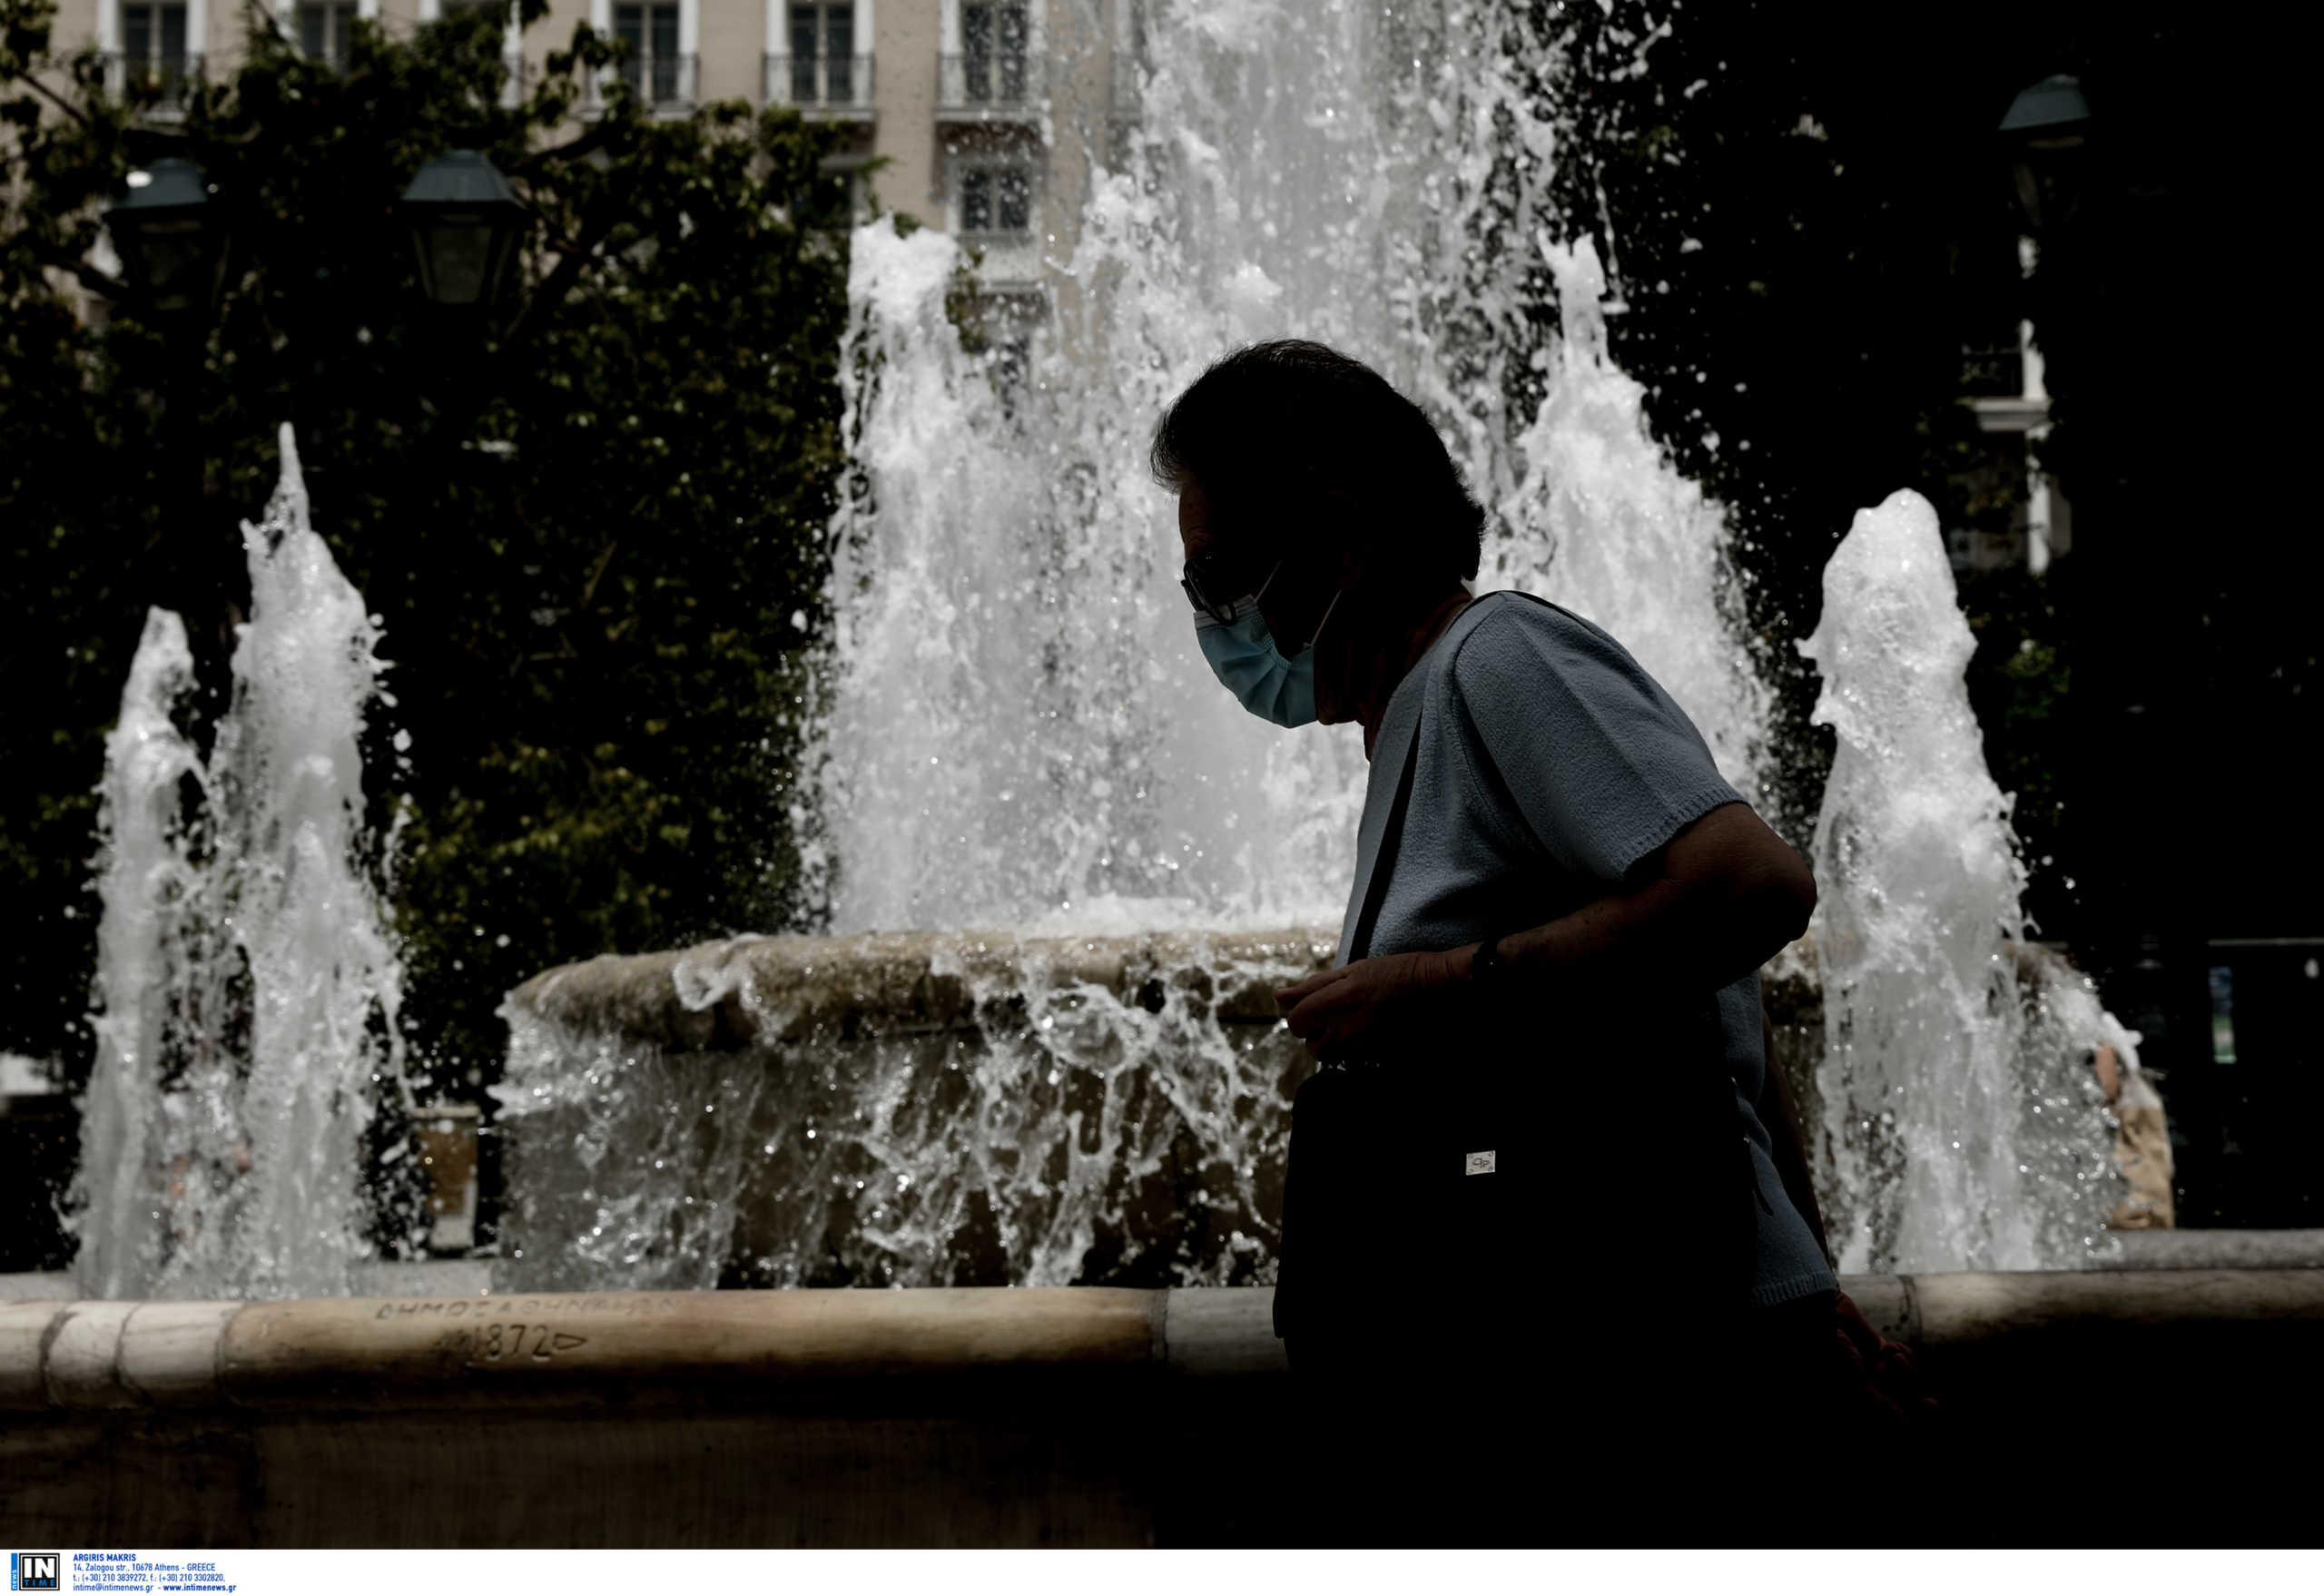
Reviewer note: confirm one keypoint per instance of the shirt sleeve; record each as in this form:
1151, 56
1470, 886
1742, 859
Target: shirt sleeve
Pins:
1601, 763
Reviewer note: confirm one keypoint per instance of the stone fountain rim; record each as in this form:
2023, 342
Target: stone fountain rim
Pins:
621, 1348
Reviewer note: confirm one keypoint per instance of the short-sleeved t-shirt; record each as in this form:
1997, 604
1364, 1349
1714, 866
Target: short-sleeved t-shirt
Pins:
1550, 764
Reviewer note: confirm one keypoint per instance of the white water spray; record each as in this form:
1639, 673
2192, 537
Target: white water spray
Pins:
150, 926
1024, 734
248, 990
1023, 738
1956, 1144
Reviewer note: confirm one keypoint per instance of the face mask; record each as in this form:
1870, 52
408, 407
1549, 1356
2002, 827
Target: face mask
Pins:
1243, 655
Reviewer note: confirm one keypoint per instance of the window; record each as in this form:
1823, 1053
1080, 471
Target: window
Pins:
655, 68
823, 41
153, 45
323, 29
996, 199
993, 39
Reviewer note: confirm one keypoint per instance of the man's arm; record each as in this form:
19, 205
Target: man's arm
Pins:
1710, 906
1714, 903
1722, 898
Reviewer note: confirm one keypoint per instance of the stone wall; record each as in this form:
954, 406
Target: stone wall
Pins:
1037, 1418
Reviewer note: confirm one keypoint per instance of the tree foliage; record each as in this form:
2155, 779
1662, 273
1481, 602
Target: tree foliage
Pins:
1811, 218
593, 520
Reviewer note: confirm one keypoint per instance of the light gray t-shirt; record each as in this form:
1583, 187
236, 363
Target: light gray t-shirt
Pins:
1550, 765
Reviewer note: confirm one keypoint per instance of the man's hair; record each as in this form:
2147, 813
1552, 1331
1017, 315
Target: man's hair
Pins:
1268, 428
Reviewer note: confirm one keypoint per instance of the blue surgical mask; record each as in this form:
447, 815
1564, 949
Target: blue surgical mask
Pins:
1243, 655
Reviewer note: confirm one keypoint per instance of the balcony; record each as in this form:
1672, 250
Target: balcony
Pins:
1991, 373
166, 78
666, 84
826, 88
993, 87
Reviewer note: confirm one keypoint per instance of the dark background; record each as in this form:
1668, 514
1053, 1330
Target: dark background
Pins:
2154, 698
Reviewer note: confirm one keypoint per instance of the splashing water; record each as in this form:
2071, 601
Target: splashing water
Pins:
1040, 1134
146, 939
247, 990
1023, 733
1022, 737
1963, 1134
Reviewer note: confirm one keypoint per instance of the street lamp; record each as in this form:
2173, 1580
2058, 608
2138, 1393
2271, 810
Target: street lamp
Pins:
170, 237
2046, 125
464, 224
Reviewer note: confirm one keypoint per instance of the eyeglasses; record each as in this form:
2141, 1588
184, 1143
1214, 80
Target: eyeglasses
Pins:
1211, 584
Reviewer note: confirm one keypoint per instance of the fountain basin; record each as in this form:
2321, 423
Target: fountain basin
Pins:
925, 1109
756, 991
1070, 1417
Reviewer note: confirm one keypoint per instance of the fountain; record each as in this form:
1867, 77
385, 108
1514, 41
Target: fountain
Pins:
1062, 868
1960, 1127
1025, 754
247, 989
1060, 862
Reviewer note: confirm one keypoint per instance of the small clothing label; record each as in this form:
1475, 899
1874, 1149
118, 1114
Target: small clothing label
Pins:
1480, 1163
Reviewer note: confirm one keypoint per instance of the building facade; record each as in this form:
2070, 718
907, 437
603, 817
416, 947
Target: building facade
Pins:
985, 115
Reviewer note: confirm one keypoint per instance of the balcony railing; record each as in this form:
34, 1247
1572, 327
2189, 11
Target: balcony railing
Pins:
664, 83
836, 85
998, 85
168, 77
1989, 373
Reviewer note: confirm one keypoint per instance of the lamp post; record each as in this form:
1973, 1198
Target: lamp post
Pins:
464, 224
170, 237
2135, 706
2045, 127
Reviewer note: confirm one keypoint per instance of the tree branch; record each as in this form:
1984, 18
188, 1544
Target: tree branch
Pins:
56, 99
572, 149
89, 277
560, 282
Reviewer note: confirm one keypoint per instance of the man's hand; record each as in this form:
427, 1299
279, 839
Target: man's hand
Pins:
1722, 896
1375, 1005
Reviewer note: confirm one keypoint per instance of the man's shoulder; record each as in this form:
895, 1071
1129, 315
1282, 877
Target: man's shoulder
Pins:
1515, 635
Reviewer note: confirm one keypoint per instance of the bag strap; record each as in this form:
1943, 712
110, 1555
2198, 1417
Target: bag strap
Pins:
1383, 858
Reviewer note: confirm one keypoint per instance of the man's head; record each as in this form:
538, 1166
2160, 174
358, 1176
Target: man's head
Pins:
1289, 451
